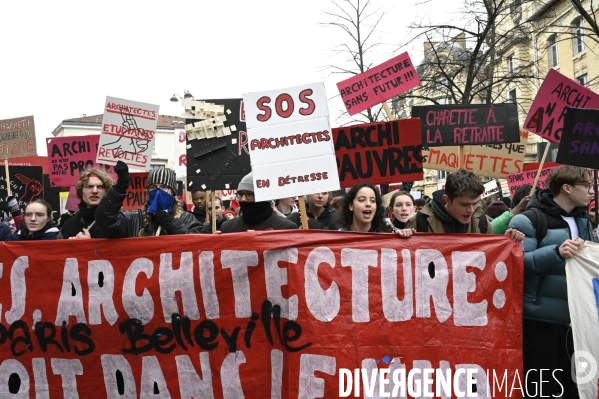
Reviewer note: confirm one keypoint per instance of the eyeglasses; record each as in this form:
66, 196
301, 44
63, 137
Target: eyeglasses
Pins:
31, 214
589, 186
248, 194
91, 187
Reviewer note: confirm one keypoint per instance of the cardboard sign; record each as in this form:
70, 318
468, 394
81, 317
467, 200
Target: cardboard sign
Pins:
137, 193
17, 137
69, 156
579, 145
219, 163
491, 188
378, 84
52, 196
546, 114
128, 133
379, 153
582, 272
72, 200
492, 160
26, 184
517, 180
180, 166
36, 160
290, 142
460, 124
227, 194
235, 316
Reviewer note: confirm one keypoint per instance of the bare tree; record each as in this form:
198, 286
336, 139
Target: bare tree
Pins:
360, 21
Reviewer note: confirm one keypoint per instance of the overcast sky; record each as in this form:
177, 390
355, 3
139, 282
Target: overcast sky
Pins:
60, 59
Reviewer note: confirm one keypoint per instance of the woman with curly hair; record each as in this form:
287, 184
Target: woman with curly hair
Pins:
162, 214
363, 211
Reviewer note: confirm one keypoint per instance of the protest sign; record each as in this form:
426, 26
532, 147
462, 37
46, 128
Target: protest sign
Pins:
69, 156
227, 194
378, 84
582, 272
17, 137
52, 196
269, 315
379, 153
128, 133
72, 200
180, 166
26, 184
217, 163
137, 193
517, 180
491, 188
34, 160
546, 114
579, 144
290, 142
535, 165
464, 124
491, 160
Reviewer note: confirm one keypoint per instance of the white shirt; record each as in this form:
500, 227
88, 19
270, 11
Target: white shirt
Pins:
573, 227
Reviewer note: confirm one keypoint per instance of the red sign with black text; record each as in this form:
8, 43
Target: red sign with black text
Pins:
248, 314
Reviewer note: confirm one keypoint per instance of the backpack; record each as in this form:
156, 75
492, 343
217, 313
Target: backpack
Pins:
422, 223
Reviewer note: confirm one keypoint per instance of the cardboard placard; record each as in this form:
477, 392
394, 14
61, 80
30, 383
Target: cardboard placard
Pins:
290, 142
52, 196
26, 184
491, 188
128, 133
69, 156
220, 162
17, 138
281, 313
379, 153
517, 180
227, 194
492, 160
466, 124
137, 193
579, 145
546, 114
180, 166
35, 160
72, 200
378, 84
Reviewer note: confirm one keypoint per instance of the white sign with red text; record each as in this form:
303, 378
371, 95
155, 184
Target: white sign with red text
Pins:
290, 142
180, 166
128, 133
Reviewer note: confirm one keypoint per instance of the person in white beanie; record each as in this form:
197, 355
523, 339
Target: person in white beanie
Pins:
254, 215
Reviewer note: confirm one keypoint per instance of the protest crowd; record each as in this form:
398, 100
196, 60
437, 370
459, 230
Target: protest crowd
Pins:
549, 220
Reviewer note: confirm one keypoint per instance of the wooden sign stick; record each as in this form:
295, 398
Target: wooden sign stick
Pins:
213, 204
534, 186
7, 177
387, 110
302, 205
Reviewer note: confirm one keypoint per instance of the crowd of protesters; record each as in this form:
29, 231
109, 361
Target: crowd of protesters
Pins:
547, 223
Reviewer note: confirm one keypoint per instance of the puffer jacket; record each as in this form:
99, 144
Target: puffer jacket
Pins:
545, 288
435, 223
116, 224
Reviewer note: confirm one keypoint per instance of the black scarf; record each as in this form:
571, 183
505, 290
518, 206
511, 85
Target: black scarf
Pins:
255, 212
399, 224
87, 215
450, 224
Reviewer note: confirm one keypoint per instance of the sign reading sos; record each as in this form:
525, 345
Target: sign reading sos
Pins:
286, 105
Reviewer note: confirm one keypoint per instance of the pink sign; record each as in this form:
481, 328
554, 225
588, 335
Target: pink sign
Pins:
546, 115
378, 84
517, 180
69, 156
72, 200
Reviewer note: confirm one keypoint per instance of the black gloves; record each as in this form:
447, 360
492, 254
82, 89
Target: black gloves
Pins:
163, 218
13, 205
122, 171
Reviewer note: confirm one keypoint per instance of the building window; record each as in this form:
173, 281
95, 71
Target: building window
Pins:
511, 96
578, 33
442, 175
510, 64
553, 52
583, 80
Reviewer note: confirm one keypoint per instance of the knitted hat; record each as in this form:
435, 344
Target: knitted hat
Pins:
229, 212
247, 183
496, 208
164, 176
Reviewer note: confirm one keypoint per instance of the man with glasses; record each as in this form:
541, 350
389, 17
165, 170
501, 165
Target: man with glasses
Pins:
163, 213
90, 189
554, 219
254, 215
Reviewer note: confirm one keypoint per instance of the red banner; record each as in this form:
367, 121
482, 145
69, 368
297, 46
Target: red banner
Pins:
245, 315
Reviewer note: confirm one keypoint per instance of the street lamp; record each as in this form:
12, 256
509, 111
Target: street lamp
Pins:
187, 95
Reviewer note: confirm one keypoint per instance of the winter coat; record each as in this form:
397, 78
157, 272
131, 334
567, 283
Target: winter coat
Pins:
273, 222
117, 224
545, 288
76, 223
329, 219
501, 222
49, 232
435, 223
6, 233
207, 229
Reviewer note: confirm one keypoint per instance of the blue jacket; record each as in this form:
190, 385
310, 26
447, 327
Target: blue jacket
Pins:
49, 232
545, 289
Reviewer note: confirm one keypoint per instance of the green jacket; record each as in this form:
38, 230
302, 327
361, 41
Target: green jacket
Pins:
501, 222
